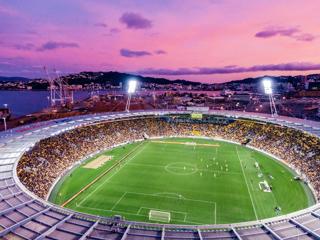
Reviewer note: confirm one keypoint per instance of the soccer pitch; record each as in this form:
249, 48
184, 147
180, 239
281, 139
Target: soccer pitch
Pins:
197, 181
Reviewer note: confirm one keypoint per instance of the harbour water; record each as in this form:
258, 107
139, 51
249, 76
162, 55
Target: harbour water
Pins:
27, 102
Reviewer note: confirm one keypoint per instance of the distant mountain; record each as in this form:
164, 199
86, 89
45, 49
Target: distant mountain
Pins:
278, 79
14, 79
114, 78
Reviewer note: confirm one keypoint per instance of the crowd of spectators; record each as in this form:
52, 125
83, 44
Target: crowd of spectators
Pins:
39, 167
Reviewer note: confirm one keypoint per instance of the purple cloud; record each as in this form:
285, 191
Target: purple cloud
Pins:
295, 66
271, 32
135, 21
159, 52
114, 30
100, 24
4, 10
131, 54
51, 45
307, 37
25, 47
32, 32
293, 32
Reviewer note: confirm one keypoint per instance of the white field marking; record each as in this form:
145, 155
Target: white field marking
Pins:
109, 210
216, 153
119, 200
185, 199
169, 193
162, 210
245, 178
128, 213
199, 169
274, 198
215, 213
272, 193
172, 166
192, 144
97, 162
107, 179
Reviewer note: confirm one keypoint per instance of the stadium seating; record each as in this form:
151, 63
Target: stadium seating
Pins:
40, 167
24, 215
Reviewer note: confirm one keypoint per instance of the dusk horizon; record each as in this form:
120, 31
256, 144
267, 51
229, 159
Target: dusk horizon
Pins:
159, 119
171, 78
215, 41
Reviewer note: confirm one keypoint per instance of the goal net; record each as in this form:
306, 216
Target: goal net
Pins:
159, 216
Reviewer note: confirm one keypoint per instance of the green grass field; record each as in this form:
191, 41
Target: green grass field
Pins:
204, 183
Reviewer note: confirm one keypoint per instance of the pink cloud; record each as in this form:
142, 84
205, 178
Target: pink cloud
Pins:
52, 45
4, 10
233, 69
135, 21
133, 54
293, 32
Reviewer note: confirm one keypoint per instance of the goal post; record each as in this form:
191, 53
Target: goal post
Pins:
159, 216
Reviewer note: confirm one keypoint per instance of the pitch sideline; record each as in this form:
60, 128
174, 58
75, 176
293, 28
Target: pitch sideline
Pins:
107, 179
99, 177
169, 197
245, 178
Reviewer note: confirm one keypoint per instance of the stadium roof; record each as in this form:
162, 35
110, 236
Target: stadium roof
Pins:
25, 216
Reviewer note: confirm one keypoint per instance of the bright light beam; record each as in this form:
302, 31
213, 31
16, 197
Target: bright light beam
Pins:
132, 86
267, 85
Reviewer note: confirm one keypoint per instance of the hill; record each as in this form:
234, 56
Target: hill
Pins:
14, 79
279, 79
114, 78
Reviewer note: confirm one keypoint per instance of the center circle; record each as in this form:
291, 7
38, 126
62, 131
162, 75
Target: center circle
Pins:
181, 168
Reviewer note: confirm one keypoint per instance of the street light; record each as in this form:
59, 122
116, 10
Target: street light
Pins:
267, 85
5, 123
4, 118
132, 86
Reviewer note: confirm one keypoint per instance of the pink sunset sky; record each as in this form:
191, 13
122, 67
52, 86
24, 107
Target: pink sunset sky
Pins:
201, 40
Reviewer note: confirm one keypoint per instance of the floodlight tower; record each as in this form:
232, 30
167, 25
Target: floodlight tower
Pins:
267, 85
4, 117
132, 85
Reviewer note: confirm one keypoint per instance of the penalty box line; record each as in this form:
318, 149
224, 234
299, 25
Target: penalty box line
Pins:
169, 197
128, 213
164, 210
192, 144
104, 173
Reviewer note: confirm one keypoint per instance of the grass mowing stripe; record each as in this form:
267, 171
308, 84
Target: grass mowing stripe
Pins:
107, 179
100, 176
119, 200
141, 181
181, 168
215, 213
135, 214
187, 144
245, 178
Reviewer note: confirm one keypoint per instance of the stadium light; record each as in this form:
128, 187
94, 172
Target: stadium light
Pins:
4, 123
132, 86
4, 118
267, 85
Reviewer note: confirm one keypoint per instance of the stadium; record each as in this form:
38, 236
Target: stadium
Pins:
161, 175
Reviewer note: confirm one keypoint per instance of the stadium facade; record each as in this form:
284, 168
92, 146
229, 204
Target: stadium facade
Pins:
23, 215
